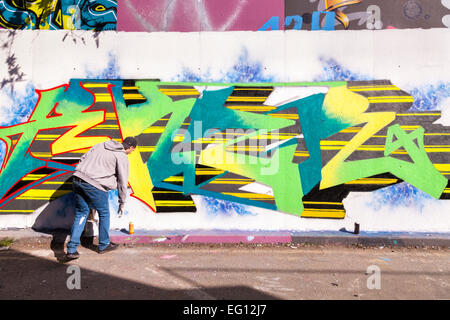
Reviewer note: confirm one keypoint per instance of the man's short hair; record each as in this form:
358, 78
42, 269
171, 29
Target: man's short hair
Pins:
129, 142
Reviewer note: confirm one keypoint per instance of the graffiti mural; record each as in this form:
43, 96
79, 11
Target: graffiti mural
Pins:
95, 15
298, 148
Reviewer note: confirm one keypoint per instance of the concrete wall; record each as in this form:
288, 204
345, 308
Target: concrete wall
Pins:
324, 129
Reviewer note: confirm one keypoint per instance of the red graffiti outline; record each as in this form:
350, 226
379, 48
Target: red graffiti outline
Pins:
21, 190
28, 152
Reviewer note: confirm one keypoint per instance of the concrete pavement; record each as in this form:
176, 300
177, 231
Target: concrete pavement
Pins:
242, 271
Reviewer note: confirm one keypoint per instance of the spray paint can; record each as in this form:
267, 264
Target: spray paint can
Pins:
131, 228
356, 228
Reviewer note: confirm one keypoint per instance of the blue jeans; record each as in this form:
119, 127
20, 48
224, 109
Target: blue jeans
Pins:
88, 196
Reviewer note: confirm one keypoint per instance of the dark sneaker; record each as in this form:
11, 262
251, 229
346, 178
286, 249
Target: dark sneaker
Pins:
72, 256
111, 246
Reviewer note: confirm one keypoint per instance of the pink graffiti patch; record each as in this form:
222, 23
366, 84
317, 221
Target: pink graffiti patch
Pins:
196, 15
168, 256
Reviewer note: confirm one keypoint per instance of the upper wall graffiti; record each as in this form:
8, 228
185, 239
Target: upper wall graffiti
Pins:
298, 148
252, 15
231, 15
95, 15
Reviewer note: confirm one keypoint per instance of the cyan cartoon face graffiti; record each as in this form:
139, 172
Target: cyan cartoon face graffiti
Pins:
99, 14
60, 14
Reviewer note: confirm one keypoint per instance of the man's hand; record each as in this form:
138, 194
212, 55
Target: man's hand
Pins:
120, 211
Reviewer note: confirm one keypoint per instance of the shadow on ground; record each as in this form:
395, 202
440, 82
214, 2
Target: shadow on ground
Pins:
29, 277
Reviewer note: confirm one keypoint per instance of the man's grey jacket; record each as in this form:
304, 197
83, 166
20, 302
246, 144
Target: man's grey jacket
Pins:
105, 166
